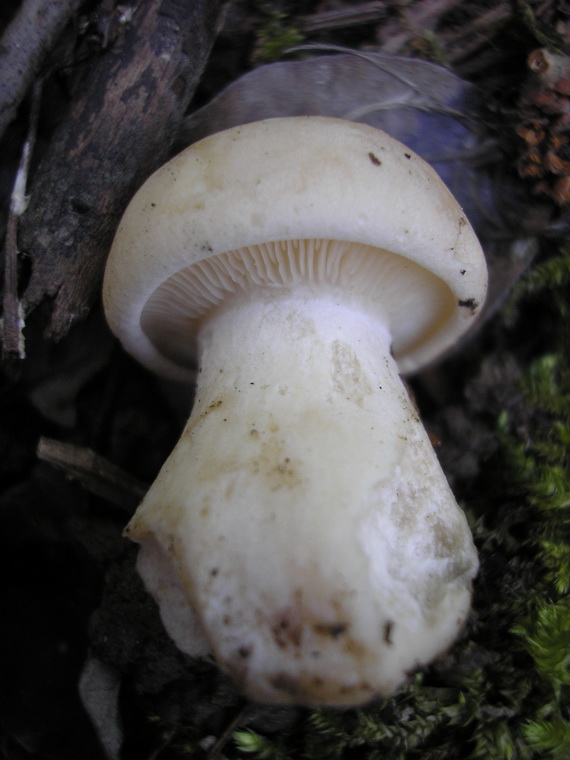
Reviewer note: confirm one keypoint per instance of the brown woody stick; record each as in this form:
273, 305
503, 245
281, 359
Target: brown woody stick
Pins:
93, 472
118, 130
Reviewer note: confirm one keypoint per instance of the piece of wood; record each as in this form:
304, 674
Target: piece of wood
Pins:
95, 473
343, 18
118, 130
12, 338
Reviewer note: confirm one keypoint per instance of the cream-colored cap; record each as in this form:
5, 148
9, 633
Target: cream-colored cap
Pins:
198, 230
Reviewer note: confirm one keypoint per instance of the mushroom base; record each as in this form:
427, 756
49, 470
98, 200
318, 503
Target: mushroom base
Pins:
303, 515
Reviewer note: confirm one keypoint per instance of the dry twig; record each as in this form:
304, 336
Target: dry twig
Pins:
221, 742
459, 44
343, 18
95, 473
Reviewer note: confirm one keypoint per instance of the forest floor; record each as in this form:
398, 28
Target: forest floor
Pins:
86, 669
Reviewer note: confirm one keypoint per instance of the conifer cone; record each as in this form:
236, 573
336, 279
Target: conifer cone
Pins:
543, 126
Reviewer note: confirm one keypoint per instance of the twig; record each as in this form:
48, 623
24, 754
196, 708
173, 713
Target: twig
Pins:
460, 44
23, 47
12, 321
417, 19
95, 473
214, 752
343, 18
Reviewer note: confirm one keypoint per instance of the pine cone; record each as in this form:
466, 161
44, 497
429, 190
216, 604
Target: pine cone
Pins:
544, 126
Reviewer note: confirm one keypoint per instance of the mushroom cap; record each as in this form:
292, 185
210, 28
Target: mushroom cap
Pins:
320, 201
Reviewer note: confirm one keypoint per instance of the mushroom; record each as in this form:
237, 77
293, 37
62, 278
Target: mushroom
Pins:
302, 530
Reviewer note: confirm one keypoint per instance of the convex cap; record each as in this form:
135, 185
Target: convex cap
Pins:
197, 231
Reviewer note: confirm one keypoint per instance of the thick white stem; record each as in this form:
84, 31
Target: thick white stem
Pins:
303, 514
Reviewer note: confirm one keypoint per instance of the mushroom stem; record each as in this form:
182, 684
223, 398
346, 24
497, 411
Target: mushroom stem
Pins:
304, 511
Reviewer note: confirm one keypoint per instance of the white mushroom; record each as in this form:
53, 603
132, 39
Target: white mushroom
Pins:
302, 529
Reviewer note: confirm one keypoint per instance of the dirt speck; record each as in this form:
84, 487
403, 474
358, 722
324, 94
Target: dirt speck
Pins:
468, 303
334, 630
284, 682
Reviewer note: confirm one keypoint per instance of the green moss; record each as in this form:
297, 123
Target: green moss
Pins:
549, 738
550, 279
538, 457
274, 34
257, 746
546, 635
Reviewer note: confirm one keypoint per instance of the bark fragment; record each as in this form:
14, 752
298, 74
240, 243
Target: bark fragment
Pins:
118, 131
